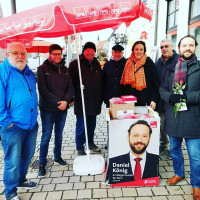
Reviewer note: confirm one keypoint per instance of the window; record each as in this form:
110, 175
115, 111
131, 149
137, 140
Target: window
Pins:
195, 8
195, 11
196, 33
172, 15
173, 38
194, 27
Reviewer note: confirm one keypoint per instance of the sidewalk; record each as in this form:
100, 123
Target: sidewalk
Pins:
61, 183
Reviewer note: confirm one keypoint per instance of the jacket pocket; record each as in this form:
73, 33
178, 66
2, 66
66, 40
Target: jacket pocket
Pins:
9, 100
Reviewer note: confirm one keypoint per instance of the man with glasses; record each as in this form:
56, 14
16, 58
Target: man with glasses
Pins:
18, 119
168, 57
56, 92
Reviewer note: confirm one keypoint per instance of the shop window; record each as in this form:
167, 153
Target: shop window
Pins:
172, 15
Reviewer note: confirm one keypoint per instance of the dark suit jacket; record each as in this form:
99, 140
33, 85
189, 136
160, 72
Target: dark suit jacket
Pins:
120, 170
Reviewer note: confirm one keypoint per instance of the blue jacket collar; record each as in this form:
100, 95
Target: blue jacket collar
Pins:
26, 69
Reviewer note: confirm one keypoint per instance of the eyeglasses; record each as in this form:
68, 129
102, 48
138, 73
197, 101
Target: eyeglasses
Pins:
18, 53
56, 54
165, 46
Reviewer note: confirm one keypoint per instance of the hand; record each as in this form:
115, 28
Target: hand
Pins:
153, 105
63, 105
72, 103
176, 98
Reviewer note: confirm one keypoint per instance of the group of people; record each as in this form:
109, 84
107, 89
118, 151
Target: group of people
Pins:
152, 83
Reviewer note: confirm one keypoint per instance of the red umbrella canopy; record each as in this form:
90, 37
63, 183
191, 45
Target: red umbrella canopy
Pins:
39, 46
67, 16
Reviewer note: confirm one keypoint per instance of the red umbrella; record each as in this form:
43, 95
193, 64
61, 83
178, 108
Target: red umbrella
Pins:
66, 16
39, 46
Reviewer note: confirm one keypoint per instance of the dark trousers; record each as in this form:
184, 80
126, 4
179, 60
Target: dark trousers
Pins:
80, 131
163, 136
51, 119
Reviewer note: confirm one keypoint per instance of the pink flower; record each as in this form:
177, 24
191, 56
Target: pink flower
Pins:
181, 81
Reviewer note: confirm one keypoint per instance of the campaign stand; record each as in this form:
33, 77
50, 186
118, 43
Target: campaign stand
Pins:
119, 173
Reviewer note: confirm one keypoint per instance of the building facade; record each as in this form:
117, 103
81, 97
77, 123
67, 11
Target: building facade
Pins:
177, 18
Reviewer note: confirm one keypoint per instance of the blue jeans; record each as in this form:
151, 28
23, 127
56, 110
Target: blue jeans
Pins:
193, 149
163, 137
49, 118
80, 130
19, 147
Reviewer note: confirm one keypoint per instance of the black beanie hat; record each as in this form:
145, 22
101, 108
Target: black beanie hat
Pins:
54, 47
89, 45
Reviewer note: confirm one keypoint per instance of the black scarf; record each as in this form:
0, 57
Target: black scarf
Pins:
58, 65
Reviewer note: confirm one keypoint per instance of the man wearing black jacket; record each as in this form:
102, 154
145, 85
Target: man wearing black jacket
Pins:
92, 88
56, 92
112, 73
168, 57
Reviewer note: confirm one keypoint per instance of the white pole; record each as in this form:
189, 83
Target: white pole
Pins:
82, 95
69, 51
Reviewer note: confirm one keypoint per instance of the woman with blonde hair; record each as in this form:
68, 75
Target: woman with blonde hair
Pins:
140, 77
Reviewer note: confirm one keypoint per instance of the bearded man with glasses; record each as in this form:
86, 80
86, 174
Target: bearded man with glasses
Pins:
56, 92
168, 57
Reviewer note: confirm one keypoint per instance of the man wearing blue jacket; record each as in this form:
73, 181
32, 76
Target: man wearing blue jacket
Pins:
18, 119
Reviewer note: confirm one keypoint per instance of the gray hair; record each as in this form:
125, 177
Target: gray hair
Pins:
14, 44
166, 40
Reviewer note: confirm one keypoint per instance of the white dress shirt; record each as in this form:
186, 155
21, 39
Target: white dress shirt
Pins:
142, 162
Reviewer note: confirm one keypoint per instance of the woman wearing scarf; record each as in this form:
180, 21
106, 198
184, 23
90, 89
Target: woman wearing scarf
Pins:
56, 92
140, 77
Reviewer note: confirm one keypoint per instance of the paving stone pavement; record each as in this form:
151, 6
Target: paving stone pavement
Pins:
61, 184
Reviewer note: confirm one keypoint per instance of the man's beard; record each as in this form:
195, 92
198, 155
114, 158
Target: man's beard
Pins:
139, 151
187, 58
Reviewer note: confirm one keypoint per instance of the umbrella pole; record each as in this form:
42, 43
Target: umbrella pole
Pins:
89, 164
82, 95
39, 55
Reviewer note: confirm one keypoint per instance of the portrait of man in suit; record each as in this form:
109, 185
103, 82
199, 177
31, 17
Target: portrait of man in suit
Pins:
137, 164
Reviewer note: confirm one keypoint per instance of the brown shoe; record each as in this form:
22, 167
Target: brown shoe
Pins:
174, 179
196, 193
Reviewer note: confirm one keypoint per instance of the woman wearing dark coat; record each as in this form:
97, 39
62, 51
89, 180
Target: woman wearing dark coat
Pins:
140, 77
